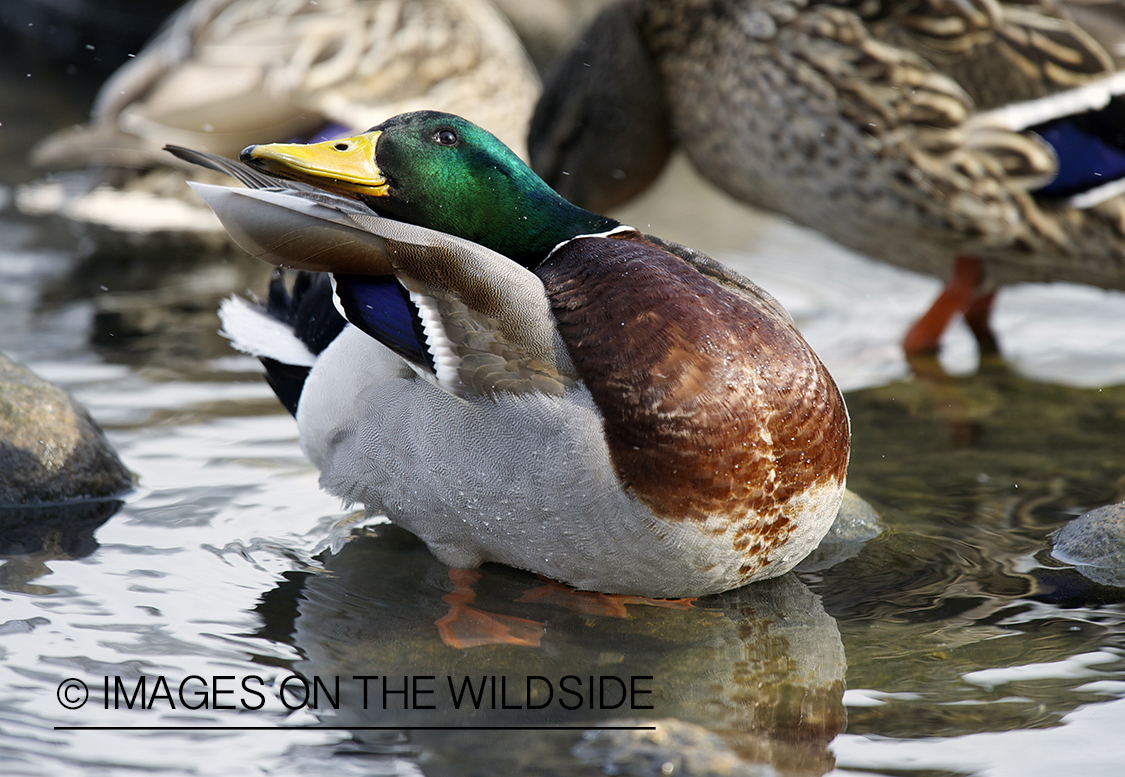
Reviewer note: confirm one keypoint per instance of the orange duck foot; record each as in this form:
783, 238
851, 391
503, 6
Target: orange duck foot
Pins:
960, 295
593, 603
465, 627
976, 316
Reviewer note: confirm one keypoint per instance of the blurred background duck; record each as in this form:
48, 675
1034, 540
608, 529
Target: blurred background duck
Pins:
222, 74
978, 141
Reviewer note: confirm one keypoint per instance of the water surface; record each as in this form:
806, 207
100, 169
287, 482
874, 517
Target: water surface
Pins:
951, 644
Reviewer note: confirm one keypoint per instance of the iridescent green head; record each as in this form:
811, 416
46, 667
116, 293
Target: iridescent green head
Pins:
441, 172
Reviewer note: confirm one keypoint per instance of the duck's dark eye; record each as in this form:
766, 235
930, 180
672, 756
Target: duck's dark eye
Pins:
446, 137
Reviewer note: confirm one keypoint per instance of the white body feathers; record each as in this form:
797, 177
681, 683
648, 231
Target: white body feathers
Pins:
524, 480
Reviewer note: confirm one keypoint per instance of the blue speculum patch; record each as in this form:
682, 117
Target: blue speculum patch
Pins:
1090, 148
381, 307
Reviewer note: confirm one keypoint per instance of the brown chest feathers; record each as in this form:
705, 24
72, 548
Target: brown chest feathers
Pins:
713, 405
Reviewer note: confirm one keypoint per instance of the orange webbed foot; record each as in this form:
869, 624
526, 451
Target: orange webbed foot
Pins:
465, 627
593, 603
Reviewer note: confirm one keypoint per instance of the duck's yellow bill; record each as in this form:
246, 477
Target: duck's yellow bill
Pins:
344, 166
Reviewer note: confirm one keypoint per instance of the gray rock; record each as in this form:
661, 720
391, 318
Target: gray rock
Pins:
50, 448
855, 524
1094, 543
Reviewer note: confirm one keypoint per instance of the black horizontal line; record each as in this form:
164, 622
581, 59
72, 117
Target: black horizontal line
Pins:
355, 728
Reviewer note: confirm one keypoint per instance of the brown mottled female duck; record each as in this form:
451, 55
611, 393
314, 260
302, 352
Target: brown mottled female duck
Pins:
524, 381
974, 140
226, 73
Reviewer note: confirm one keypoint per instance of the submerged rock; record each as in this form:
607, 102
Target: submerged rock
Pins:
50, 448
1095, 544
675, 747
856, 523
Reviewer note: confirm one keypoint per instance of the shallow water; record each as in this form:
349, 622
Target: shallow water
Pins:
951, 644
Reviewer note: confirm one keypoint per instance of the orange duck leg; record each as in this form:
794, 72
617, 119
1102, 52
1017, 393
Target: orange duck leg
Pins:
960, 295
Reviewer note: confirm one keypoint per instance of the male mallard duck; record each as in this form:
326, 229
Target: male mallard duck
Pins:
225, 73
918, 132
527, 382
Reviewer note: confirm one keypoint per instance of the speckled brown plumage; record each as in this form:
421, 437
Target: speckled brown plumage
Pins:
868, 120
851, 118
712, 405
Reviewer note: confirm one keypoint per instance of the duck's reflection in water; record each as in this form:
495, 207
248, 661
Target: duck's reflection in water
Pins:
746, 680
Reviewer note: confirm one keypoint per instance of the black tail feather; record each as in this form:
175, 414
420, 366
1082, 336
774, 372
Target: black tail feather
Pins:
286, 380
308, 309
